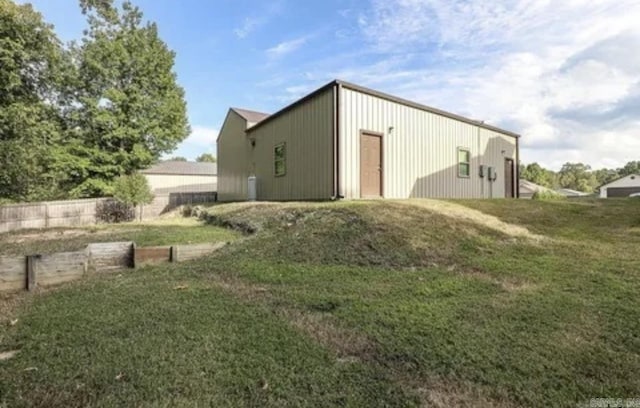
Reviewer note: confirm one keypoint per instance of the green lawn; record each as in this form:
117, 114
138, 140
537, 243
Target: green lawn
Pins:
467, 303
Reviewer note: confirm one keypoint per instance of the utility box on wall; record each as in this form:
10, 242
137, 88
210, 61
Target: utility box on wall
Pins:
251, 188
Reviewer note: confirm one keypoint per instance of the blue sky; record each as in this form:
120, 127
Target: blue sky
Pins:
566, 75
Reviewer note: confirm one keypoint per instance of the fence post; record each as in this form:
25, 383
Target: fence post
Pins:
31, 272
46, 215
133, 255
173, 253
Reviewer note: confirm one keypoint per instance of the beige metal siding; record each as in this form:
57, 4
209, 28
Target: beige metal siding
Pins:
420, 152
161, 181
234, 159
307, 130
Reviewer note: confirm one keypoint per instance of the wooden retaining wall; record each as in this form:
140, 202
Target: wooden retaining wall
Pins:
27, 272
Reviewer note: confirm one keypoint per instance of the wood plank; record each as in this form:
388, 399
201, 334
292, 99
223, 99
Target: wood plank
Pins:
151, 255
61, 267
189, 252
108, 256
13, 272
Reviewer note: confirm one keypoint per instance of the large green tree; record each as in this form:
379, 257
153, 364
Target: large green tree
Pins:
34, 158
632, 167
537, 174
207, 158
577, 176
130, 109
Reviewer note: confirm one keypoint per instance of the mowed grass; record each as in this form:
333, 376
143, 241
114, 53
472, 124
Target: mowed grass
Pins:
161, 232
469, 303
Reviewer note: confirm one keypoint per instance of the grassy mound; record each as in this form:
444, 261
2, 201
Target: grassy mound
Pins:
386, 234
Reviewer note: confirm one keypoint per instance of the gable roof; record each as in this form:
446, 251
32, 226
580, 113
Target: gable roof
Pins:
251, 116
387, 97
616, 181
183, 168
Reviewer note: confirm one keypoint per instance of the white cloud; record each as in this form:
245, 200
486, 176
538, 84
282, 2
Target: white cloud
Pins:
202, 136
563, 74
201, 140
286, 47
266, 13
248, 25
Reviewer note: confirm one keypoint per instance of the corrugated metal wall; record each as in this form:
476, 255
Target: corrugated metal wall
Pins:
420, 152
307, 130
234, 159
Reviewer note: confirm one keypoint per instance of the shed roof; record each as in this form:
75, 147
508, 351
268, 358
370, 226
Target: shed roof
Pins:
531, 187
571, 193
385, 96
251, 116
634, 178
184, 168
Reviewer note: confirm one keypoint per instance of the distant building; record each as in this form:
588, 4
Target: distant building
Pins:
528, 189
622, 187
567, 192
182, 177
347, 141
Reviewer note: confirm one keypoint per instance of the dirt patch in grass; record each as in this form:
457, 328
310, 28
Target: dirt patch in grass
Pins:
55, 234
320, 326
457, 211
351, 347
440, 393
508, 284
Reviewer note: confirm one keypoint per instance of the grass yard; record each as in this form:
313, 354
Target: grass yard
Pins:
466, 303
161, 232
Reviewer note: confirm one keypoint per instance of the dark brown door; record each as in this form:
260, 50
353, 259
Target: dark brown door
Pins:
370, 165
508, 178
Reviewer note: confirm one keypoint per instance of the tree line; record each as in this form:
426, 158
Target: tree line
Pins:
576, 176
74, 117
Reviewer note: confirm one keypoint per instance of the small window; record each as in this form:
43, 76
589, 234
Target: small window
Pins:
280, 160
464, 163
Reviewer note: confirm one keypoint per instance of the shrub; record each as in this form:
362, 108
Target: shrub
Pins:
133, 190
546, 195
114, 211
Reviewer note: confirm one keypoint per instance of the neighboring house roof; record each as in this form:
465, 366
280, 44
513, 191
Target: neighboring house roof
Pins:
384, 96
527, 186
183, 168
251, 116
567, 192
630, 180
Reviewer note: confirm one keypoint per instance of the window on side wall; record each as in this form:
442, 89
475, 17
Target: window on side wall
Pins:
464, 162
280, 159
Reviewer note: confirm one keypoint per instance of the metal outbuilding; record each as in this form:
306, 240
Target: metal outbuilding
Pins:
622, 187
347, 141
174, 176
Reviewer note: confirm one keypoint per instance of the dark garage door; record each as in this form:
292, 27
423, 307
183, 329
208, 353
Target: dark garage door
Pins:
622, 191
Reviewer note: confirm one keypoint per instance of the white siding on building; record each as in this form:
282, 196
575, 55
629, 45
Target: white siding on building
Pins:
627, 182
420, 151
166, 181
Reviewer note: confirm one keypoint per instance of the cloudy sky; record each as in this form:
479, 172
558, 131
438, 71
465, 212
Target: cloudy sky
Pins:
564, 73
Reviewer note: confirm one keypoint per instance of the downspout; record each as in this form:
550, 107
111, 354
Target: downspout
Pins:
336, 142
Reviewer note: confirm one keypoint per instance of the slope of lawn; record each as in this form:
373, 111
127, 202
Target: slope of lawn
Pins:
466, 303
